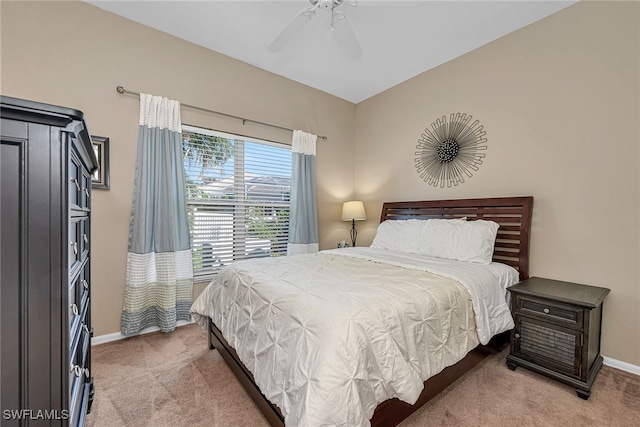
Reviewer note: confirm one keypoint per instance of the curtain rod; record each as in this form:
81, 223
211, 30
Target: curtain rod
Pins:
121, 89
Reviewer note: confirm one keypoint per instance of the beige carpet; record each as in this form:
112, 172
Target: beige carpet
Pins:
175, 380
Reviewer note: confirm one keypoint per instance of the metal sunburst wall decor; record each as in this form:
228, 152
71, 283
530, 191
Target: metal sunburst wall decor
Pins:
451, 150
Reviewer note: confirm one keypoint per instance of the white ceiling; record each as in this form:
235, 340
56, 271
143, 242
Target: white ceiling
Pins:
399, 39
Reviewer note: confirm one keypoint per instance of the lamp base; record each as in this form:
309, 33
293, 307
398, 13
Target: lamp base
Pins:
353, 233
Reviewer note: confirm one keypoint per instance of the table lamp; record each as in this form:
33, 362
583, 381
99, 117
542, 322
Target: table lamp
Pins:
353, 211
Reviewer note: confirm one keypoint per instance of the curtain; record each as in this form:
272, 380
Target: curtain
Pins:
159, 282
303, 214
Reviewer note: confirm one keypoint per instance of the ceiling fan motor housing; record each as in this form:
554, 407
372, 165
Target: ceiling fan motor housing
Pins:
343, 32
326, 4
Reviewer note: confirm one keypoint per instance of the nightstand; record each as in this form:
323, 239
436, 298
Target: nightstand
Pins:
557, 330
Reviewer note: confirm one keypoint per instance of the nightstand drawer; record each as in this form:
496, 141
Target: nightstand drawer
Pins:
570, 316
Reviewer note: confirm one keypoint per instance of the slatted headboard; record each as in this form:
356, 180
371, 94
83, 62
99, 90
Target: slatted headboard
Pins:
512, 213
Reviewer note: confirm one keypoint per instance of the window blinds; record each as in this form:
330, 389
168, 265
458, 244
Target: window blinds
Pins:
238, 193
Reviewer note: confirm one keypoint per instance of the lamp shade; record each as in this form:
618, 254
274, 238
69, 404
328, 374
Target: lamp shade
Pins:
353, 211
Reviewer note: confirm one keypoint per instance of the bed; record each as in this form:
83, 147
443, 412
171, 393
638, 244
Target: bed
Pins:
350, 336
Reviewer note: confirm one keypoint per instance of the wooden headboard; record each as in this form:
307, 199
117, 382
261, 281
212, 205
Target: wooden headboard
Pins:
512, 213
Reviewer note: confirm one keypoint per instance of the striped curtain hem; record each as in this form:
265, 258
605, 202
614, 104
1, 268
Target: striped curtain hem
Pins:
159, 291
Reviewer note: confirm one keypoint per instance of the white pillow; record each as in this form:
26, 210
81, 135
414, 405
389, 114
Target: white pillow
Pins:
470, 241
403, 235
399, 235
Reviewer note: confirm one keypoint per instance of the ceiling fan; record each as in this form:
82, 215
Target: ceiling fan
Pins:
339, 26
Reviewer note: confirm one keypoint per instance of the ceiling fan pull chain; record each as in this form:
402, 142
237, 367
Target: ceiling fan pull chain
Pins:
335, 17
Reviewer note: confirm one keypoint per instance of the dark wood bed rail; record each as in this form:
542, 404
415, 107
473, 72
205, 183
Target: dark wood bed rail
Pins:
389, 413
513, 214
216, 340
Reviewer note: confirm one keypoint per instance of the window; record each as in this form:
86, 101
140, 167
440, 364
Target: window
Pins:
237, 198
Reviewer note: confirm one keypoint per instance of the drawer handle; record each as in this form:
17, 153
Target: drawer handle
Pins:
86, 191
75, 247
75, 181
85, 238
86, 372
85, 284
74, 309
517, 336
77, 370
85, 327
546, 311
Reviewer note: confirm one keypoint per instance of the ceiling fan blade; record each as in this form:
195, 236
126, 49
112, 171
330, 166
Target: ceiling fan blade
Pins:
343, 32
290, 31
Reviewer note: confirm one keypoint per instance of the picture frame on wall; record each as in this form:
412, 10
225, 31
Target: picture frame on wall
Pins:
100, 178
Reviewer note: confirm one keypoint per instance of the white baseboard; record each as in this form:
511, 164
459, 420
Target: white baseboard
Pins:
623, 366
101, 339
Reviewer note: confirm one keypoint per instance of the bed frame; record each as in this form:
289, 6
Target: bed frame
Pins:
511, 248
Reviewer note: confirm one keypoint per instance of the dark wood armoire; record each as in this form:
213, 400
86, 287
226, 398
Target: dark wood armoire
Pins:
47, 161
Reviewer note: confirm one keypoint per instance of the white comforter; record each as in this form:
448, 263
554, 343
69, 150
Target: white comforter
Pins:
329, 336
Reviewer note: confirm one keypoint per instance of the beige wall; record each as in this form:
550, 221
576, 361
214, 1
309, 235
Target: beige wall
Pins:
74, 54
560, 102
